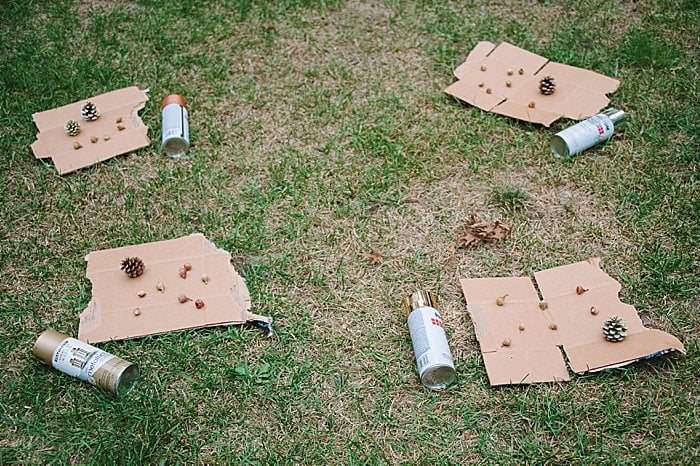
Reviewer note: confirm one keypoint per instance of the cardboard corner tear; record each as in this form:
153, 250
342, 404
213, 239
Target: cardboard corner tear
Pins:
121, 105
536, 336
110, 313
482, 81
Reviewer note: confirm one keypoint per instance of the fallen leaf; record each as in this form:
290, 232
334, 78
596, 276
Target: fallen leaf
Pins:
477, 230
374, 257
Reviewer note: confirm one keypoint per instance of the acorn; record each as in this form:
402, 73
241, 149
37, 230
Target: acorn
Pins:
521, 327
77, 145
106, 137
119, 120
488, 90
501, 300
544, 305
521, 71
183, 273
509, 84
506, 342
481, 84
531, 104
580, 290
509, 72
553, 326
160, 287
141, 294
483, 68
137, 312
93, 139
205, 278
182, 298
121, 127
199, 304
187, 266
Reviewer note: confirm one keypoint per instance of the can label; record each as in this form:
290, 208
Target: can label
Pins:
429, 340
587, 133
78, 359
175, 123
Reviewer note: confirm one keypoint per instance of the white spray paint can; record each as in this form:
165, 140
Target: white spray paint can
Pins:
176, 127
85, 362
435, 365
587, 133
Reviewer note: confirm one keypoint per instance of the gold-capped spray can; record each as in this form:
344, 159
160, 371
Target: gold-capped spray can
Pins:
85, 362
435, 365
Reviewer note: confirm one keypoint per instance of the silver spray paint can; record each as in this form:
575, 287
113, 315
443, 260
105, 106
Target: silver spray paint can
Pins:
435, 365
85, 362
587, 133
176, 126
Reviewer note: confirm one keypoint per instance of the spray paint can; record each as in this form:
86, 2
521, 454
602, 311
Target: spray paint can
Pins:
85, 362
435, 366
587, 133
176, 128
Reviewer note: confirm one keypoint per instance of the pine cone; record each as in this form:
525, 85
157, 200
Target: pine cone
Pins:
133, 266
72, 128
547, 85
90, 112
615, 329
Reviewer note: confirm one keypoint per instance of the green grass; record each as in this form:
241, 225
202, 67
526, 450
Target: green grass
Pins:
320, 132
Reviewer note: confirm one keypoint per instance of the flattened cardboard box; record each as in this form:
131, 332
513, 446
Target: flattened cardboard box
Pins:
579, 93
52, 140
115, 296
533, 354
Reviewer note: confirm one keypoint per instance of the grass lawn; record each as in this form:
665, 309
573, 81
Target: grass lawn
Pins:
320, 134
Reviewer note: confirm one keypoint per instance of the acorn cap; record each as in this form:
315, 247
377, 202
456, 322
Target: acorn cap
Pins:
46, 344
418, 299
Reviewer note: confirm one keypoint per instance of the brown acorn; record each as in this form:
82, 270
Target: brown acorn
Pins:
501, 300
199, 304
580, 290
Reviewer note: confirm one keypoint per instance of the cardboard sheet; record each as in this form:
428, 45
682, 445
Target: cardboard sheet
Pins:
579, 93
534, 354
124, 104
115, 296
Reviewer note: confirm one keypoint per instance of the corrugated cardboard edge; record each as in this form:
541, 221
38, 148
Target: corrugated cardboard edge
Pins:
103, 271
51, 141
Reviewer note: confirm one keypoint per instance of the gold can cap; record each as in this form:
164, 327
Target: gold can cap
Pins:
419, 299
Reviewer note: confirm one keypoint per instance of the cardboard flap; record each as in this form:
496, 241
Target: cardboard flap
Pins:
579, 93
520, 338
472, 94
478, 53
581, 77
122, 105
603, 354
563, 280
525, 367
518, 58
110, 313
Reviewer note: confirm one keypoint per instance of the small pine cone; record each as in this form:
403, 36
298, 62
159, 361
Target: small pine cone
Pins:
615, 329
547, 85
72, 128
133, 266
90, 112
